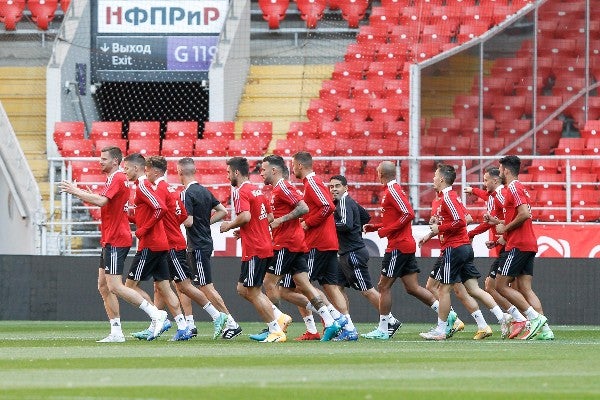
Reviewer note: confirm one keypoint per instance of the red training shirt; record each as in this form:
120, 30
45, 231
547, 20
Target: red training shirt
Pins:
174, 216
255, 235
321, 233
450, 212
289, 235
150, 208
523, 237
114, 224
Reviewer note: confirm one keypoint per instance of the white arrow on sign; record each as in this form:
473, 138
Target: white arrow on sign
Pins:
104, 47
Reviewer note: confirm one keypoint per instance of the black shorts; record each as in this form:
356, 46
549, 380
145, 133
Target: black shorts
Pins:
323, 266
495, 265
396, 264
112, 259
253, 271
179, 269
287, 281
149, 264
516, 262
457, 265
199, 262
287, 262
354, 271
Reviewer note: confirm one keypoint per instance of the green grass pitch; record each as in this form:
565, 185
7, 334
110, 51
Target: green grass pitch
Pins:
61, 360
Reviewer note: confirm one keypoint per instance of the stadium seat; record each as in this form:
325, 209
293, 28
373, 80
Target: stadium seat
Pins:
384, 16
92, 181
395, 87
548, 180
146, 147
259, 131
221, 193
311, 11
353, 11
367, 89
273, 11
42, 12
383, 148
212, 147
287, 147
570, 146
350, 147
438, 33
396, 129
77, 148
389, 69
550, 215
444, 126
452, 145
567, 87
320, 147
423, 51
592, 146
210, 167
579, 112
368, 129
584, 181
513, 128
68, 130
525, 87
144, 130
180, 147
11, 12
372, 34
404, 34
551, 197
79, 168
547, 165
100, 144
245, 148
576, 165
546, 105
585, 214
360, 52
302, 130
391, 52
505, 108
216, 129
333, 90
471, 127
428, 145
106, 130
321, 110
386, 110
353, 110
492, 146
585, 198
181, 129
471, 30
349, 70
466, 107
591, 130
334, 129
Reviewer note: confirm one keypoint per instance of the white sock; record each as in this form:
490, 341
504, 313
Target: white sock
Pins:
349, 326
516, 314
310, 307
149, 309
326, 315
334, 313
383, 323
497, 311
441, 325
435, 306
231, 324
211, 310
181, 323
276, 311
530, 313
391, 319
309, 321
478, 317
190, 321
115, 326
274, 327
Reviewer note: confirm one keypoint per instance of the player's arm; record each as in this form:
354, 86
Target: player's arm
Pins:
299, 210
406, 217
85, 195
240, 220
523, 214
364, 215
457, 211
148, 196
325, 208
344, 216
219, 213
479, 229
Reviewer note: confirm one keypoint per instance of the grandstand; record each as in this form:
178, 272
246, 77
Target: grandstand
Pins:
351, 81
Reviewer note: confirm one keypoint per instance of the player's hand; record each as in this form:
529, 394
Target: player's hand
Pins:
303, 225
369, 228
468, 218
236, 234
491, 219
433, 220
424, 240
500, 229
490, 244
435, 228
468, 190
224, 227
501, 241
67, 187
276, 223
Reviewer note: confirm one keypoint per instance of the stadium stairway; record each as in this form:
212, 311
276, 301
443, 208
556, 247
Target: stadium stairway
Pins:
23, 94
280, 93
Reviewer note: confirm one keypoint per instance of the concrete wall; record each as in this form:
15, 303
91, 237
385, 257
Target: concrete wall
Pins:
64, 288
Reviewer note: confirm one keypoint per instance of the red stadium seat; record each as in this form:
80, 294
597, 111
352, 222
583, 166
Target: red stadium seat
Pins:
384, 16
320, 147
221, 193
259, 131
180, 147
368, 129
212, 147
273, 11
350, 147
223, 129
100, 144
77, 148
333, 90
302, 130
384, 69
353, 110
508, 108
144, 130
585, 197
368, 89
513, 128
550, 215
395, 87
372, 34
146, 147
472, 30
311, 11
42, 12
320, 110
585, 214
466, 107
68, 130
551, 197
592, 146
349, 70
591, 130
492, 146
11, 12
210, 167
383, 148
584, 181
106, 130
181, 129
334, 130
396, 130
444, 126
471, 127
245, 148
360, 52
287, 147
451, 145
79, 168
577, 166
353, 11
546, 165
570, 146
92, 181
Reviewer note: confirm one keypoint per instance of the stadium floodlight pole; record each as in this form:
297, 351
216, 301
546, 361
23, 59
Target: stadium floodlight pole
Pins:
414, 138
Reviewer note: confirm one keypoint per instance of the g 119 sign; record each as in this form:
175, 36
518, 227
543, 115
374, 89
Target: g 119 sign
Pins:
155, 40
